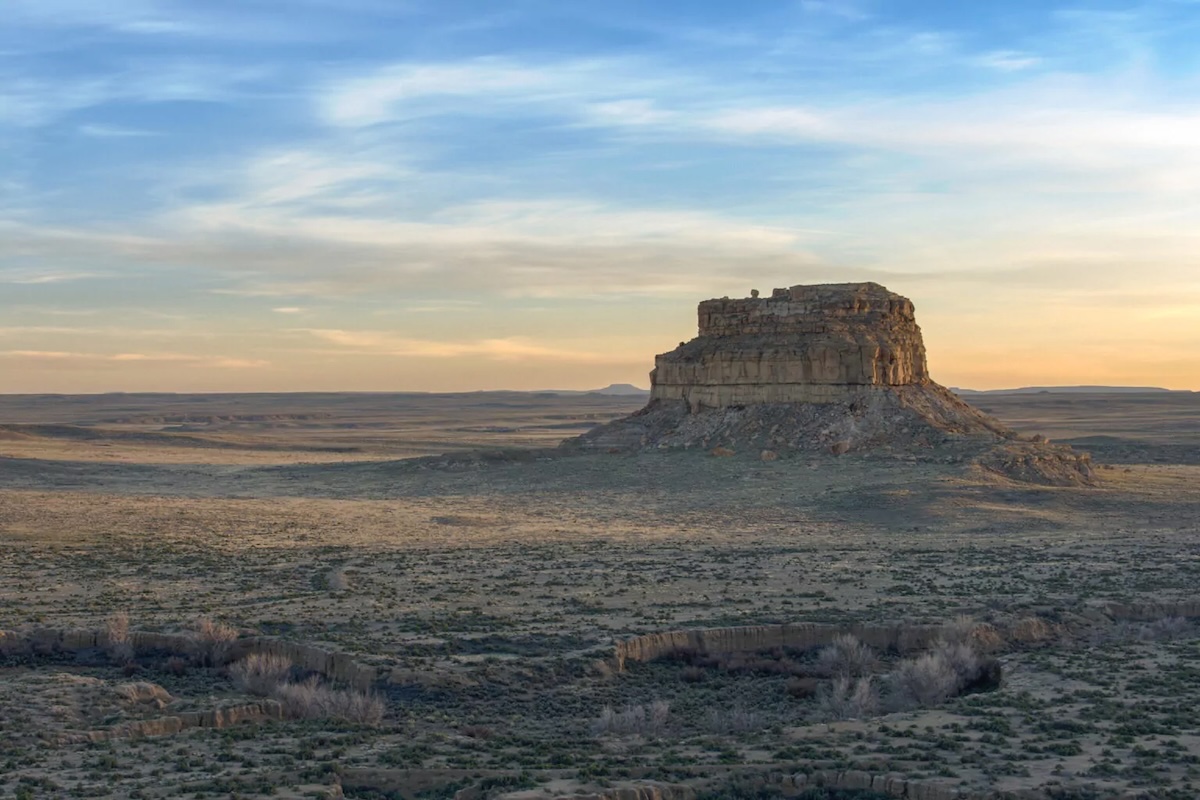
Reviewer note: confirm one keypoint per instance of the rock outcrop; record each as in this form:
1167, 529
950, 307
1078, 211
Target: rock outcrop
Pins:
834, 368
337, 667
751, 638
216, 719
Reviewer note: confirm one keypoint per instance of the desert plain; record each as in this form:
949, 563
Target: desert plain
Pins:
467, 588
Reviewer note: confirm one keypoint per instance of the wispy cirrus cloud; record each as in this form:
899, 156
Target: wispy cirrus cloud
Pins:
380, 95
1104, 125
29, 99
505, 349
489, 85
32, 277
102, 131
82, 359
1008, 60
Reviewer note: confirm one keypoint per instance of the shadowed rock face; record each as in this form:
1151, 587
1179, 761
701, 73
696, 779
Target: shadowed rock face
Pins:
806, 344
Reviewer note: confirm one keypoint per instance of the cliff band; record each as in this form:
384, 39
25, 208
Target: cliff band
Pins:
806, 344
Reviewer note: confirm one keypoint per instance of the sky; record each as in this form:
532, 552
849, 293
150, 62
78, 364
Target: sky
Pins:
448, 195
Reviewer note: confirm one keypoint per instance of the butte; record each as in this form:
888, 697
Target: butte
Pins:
834, 368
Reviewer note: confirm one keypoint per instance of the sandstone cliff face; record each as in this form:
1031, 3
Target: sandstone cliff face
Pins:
806, 344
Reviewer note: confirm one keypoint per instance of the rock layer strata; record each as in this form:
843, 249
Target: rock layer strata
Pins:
804, 344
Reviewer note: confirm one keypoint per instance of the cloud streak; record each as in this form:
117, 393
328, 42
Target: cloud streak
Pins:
507, 349
56, 358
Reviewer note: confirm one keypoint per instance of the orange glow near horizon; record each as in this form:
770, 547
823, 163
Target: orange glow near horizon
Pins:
1042, 346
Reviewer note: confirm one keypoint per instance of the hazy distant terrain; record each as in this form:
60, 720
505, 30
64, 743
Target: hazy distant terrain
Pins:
1090, 390
1128, 427
482, 595
283, 427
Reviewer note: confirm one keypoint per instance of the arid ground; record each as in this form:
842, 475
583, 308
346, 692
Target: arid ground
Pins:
484, 592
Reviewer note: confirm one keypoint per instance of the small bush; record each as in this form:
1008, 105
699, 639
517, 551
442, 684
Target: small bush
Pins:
846, 657
117, 642
927, 680
357, 708
949, 669
847, 699
633, 719
311, 699
962, 660
338, 581
260, 673
212, 641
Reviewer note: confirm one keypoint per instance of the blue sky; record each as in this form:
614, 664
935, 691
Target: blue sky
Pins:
261, 195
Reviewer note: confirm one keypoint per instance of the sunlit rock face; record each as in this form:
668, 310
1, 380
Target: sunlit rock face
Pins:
805, 344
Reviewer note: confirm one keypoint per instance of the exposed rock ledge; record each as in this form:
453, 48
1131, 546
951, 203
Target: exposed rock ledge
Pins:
334, 666
804, 344
899, 638
216, 719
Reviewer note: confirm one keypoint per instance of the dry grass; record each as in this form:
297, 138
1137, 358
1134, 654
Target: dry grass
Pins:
844, 698
927, 680
633, 720
117, 643
846, 657
933, 678
311, 699
338, 581
260, 673
213, 641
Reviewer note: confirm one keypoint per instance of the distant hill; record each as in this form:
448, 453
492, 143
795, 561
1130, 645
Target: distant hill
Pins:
622, 389
612, 390
1065, 390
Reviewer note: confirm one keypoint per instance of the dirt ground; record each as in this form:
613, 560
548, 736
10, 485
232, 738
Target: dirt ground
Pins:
485, 589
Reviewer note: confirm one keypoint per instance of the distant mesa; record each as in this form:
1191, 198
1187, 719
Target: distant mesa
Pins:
837, 368
612, 390
622, 389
